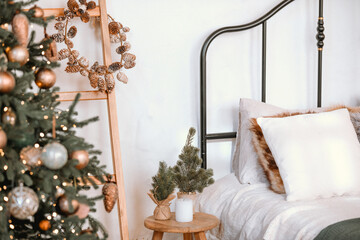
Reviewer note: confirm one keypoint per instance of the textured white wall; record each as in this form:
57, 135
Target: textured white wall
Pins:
161, 100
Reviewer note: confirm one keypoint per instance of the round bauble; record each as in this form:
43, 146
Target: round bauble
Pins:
18, 54
30, 156
45, 78
38, 12
65, 207
54, 155
3, 138
44, 225
82, 156
83, 211
23, 202
9, 117
7, 82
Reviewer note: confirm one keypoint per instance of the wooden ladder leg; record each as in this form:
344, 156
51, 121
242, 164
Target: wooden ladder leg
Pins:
114, 128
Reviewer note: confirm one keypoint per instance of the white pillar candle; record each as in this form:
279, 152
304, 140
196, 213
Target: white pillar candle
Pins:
184, 210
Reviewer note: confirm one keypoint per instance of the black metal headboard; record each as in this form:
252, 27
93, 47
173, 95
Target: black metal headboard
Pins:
260, 21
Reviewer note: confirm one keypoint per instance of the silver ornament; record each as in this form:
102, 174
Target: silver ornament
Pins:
30, 156
54, 156
23, 202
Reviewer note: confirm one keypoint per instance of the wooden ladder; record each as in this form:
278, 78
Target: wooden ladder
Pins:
101, 12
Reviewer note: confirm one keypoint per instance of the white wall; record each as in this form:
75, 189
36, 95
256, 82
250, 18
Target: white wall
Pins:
161, 100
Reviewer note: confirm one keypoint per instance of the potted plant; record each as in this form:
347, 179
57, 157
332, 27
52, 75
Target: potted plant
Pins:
188, 174
162, 192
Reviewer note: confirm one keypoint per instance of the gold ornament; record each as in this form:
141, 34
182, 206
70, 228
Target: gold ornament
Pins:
20, 28
7, 82
9, 117
18, 54
45, 78
44, 225
82, 156
3, 138
65, 207
39, 12
110, 193
83, 211
30, 156
51, 53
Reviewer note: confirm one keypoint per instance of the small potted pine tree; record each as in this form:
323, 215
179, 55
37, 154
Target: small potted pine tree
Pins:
188, 174
162, 192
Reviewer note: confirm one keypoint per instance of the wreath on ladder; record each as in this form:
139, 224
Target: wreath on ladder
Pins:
100, 76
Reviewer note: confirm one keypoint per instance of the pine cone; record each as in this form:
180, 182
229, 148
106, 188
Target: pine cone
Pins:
59, 26
101, 70
75, 53
126, 29
110, 193
85, 17
114, 67
20, 27
72, 69
93, 77
114, 39
71, 60
51, 53
60, 19
63, 53
122, 77
130, 64
84, 72
69, 43
114, 28
101, 85
110, 82
73, 5
72, 32
58, 37
121, 50
83, 62
128, 57
91, 5
94, 66
68, 14
127, 45
122, 36
83, 2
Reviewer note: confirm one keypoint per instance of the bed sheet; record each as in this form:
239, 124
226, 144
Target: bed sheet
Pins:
252, 212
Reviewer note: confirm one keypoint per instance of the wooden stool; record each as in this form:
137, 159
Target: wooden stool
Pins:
201, 223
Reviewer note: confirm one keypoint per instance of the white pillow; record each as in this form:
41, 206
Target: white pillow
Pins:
245, 161
318, 155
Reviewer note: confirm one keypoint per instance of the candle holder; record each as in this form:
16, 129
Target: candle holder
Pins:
184, 210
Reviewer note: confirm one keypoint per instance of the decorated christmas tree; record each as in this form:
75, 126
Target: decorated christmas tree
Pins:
188, 174
45, 169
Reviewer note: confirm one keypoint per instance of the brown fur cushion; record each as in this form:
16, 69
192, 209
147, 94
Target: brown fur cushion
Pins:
265, 156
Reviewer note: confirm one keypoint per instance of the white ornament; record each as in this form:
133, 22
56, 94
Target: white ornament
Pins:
23, 202
54, 156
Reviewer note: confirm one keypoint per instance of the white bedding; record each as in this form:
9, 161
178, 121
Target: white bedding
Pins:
252, 212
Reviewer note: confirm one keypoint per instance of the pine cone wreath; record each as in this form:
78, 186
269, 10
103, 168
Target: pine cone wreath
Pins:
110, 193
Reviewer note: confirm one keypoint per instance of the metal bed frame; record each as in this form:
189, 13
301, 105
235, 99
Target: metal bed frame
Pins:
260, 21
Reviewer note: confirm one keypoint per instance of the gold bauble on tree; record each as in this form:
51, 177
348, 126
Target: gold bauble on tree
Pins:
44, 225
82, 156
45, 78
9, 117
38, 12
65, 207
3, 138
7, 82
30, 156
18, 54
20, 28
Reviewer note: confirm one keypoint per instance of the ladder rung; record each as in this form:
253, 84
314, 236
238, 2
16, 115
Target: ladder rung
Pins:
85, 95
96, 180
57, 12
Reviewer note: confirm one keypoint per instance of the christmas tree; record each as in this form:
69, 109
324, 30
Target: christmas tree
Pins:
43, 164
188, 174
163, 182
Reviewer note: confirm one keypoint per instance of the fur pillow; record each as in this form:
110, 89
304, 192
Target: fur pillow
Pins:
265, 156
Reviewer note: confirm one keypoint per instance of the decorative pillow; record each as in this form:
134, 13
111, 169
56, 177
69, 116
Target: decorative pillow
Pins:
264, 154
317, 154
245, 164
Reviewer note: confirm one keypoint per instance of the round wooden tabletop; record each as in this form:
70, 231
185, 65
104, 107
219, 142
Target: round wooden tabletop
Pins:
201, 223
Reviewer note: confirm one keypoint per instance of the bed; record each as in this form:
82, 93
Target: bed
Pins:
247, 208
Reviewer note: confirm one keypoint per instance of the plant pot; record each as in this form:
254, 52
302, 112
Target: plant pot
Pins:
162, 210
191, 195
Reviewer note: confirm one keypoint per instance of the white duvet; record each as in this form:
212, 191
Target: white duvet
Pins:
252, 212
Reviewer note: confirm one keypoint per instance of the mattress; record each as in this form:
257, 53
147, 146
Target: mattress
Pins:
251, 212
